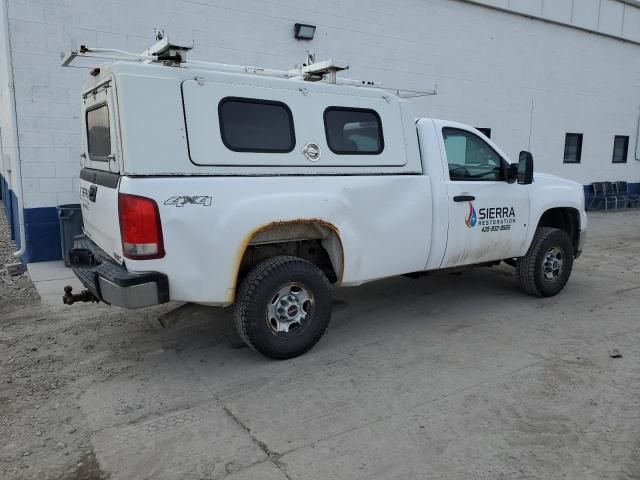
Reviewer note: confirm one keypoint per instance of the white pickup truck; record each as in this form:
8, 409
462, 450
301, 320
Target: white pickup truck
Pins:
215, 187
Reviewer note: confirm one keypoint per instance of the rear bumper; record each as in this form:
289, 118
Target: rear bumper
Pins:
111, 282
582, 238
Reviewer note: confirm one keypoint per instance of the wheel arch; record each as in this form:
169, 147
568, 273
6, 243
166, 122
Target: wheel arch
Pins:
562, 218
314, 239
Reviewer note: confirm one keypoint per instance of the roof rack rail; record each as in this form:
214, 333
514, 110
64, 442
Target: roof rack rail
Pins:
172, 54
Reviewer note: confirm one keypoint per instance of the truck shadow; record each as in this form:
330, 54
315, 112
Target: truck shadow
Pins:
397, 304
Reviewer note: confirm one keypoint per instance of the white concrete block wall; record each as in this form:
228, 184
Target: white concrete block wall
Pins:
620, 18
631, 27
560, 10
587, 15
47, 99
611, 16
490, 66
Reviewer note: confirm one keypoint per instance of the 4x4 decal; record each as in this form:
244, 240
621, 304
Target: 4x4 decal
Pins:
183, 200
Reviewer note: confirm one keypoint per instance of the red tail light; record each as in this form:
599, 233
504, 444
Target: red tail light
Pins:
140, 227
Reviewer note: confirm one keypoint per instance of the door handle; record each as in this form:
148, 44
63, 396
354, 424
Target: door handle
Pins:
464, 198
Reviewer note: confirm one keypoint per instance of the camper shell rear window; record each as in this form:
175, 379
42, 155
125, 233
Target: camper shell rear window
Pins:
353, 131
98, 133
255, 125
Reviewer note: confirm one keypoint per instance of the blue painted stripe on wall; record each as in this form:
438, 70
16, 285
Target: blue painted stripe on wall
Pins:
15, 219
42, 233
10, 202
40, 215
4, 193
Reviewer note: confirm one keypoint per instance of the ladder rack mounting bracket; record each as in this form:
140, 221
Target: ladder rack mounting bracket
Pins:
164, 50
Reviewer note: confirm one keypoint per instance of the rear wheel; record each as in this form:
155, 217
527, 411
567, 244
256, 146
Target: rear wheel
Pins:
283, 307
545, 269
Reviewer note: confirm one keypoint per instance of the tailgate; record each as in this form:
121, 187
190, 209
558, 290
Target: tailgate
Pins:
99, 198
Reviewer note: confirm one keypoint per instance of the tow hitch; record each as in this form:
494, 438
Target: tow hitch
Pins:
84, 296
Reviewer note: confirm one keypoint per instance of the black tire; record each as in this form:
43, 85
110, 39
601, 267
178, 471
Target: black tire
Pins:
531, 271
254, 301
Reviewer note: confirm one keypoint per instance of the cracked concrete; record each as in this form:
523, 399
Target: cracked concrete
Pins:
445, 377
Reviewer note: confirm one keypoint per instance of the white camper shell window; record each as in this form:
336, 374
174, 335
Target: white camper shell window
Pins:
353, 131
254, 125
98, 133
242, 123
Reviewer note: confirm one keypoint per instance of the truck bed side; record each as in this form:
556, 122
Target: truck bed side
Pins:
384, 225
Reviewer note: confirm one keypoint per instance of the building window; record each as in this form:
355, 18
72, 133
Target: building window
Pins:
353, 131
485, 131
252, 125
620, 149
98, 133
573, 148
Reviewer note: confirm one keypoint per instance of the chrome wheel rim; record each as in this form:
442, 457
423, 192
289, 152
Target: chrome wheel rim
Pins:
553, 263
289, 308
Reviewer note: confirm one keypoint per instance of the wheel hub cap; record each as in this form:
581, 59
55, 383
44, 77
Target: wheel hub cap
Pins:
553, 261
289, 307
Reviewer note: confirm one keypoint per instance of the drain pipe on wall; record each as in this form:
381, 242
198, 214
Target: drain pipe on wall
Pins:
17, 184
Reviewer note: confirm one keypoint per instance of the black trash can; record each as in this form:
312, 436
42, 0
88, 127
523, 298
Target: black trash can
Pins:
70, 218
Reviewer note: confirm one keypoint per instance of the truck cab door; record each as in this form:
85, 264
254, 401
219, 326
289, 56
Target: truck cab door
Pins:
488, 217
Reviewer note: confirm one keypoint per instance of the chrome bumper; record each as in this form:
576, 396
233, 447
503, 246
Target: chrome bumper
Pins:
132, 297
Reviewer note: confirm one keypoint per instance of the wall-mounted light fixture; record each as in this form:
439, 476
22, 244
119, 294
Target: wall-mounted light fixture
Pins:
304, 32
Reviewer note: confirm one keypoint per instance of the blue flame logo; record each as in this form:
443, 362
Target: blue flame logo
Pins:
471, 219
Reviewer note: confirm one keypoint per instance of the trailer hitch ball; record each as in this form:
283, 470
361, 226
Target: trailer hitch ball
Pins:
84, 296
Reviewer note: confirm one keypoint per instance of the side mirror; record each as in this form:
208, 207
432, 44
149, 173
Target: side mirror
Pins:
525, 168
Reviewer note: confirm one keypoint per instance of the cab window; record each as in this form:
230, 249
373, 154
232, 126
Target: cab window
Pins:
470, 157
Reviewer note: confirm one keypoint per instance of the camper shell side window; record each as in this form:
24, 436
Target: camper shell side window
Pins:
255, 125
238, 125
98, 132
353, 131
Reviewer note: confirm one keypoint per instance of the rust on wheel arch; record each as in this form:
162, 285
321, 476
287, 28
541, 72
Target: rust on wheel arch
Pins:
231, 292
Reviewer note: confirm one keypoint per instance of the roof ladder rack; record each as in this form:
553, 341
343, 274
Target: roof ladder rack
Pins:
173, 54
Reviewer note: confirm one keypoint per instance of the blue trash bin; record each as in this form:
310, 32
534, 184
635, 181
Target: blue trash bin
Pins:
70, 219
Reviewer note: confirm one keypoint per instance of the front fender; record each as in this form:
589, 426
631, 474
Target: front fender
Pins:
549, 192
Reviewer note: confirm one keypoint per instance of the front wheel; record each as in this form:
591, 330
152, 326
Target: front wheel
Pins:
546, 267
283, 307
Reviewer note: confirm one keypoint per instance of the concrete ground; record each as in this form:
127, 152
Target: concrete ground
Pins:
50, 278
446, 377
